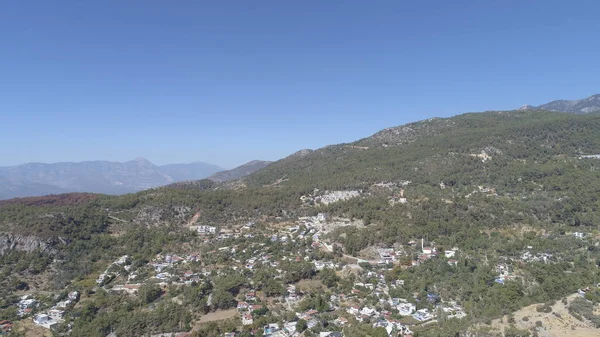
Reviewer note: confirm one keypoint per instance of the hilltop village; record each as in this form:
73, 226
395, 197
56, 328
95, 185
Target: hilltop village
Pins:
288, 279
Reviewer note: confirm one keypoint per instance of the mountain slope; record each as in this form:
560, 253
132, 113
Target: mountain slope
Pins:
437, 147
191, 171
495, 185
94, 176
240, 171
580, 106
531, 160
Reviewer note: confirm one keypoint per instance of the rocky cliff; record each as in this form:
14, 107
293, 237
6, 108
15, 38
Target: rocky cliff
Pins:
9, 242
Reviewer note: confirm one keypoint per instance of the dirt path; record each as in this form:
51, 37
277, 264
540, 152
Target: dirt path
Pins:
194, 219
217, 316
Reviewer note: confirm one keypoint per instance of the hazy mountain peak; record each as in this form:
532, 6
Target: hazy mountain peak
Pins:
34, 179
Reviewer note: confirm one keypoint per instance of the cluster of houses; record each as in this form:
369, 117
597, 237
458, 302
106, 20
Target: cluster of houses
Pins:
504, 273
163, 266
292, 296
401, 306
53, 316
203, 229
254, 249
369, 301
504, 270
428, 252
247, 308
527, 256
167, 267
26, 305
287, 329
379, 288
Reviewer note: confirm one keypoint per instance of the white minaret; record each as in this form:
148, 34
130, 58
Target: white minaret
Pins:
422, 243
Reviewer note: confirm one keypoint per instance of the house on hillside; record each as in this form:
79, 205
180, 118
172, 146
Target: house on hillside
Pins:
422, 315
366, 311
45, 321
56, 314
206, 229
353, 310
406, 309
340, 321
290, 328
247, 319
449, 253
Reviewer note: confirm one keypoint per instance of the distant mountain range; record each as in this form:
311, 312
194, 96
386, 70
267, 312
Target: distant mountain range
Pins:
34, 179
579, 106
191, 171
240, 171
95, 176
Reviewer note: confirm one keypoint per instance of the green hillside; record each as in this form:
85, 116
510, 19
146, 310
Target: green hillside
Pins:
489, 183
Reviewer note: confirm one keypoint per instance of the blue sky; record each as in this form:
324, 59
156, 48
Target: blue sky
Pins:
231, 81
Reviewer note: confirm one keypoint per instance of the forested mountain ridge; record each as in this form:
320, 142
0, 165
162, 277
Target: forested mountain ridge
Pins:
515, 152
488, 183
426, 148
473, 149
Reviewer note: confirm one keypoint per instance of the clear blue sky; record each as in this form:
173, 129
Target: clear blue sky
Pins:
231, 81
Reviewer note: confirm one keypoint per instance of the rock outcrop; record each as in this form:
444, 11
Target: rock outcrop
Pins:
10, 242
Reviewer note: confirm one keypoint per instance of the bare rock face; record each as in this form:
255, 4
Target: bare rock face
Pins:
9, 242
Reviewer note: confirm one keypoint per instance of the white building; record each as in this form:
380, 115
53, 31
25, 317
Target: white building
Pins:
203, 229
422, 315
44, 320
450, 253
406, 309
